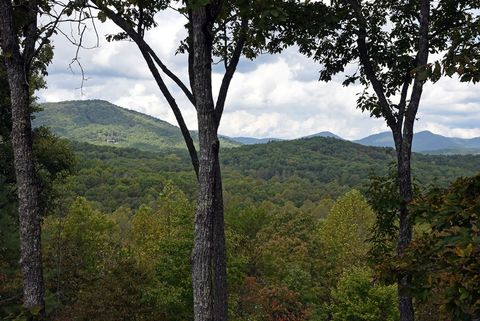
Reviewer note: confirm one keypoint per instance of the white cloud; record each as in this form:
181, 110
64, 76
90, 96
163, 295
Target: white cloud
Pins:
275, 96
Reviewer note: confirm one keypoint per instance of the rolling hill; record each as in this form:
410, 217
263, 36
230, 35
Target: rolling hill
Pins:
294, 171
115, 145
253, 140
324, 134
102, 123
424, 142
99, 122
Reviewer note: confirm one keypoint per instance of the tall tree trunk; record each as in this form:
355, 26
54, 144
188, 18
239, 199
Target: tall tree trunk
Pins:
28, 195
403, 146
209, 261
220, 303
209, 254
17, 66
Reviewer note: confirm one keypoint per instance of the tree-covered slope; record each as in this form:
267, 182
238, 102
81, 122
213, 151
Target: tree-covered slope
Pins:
326, 159
297, 171
99, 122
280, 171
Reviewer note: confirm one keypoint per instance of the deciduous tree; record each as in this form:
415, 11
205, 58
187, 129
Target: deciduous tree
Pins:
389, 44
223, 29
25, 52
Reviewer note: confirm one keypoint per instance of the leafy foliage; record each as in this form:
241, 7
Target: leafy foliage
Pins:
54, 161
101, 123
463, 55
299, 171
444, 257
345, 232
356, 297
105, 267
392, 31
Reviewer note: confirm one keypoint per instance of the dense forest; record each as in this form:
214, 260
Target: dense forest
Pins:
112, 215
300, 230
295, 171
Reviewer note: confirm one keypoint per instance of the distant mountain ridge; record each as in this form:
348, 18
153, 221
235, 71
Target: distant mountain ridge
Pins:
427, 142
424, 142
99, 122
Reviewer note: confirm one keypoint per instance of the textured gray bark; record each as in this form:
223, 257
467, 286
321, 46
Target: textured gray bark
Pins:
220, 303
405, 303
17, 66
208, 258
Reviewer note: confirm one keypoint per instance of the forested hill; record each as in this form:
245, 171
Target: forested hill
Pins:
297, 171
326, 159
99, 122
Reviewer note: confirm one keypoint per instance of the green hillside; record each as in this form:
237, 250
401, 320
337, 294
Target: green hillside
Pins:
328, 159
124, 167
301, 171
99, 122
292, 220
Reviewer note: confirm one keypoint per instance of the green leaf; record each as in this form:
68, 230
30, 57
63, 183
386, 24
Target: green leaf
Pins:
102, 16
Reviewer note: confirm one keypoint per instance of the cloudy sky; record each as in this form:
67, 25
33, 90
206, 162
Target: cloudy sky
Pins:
273, 96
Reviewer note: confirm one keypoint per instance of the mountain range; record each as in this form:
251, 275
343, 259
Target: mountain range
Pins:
427, 142
424, 142
99, 122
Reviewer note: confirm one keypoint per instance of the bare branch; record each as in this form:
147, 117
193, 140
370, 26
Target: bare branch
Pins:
76, 60
169, 73
150, 60
51, 27
422, 60
230, 70
367, 65
94, 26
176, 111
138, 39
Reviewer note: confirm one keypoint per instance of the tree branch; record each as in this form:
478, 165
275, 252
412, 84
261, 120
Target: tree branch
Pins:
230, 70
367, 65
403, 98
50, 31
146, 52
190, 50
170, 74
411, 112
422, 60
31, 34
138, 39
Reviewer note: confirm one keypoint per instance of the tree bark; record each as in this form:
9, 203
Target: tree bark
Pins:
220, 303
17, 66
403, 148
404, 153
209, 258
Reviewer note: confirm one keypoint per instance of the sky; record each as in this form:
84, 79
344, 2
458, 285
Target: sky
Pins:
273, 96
